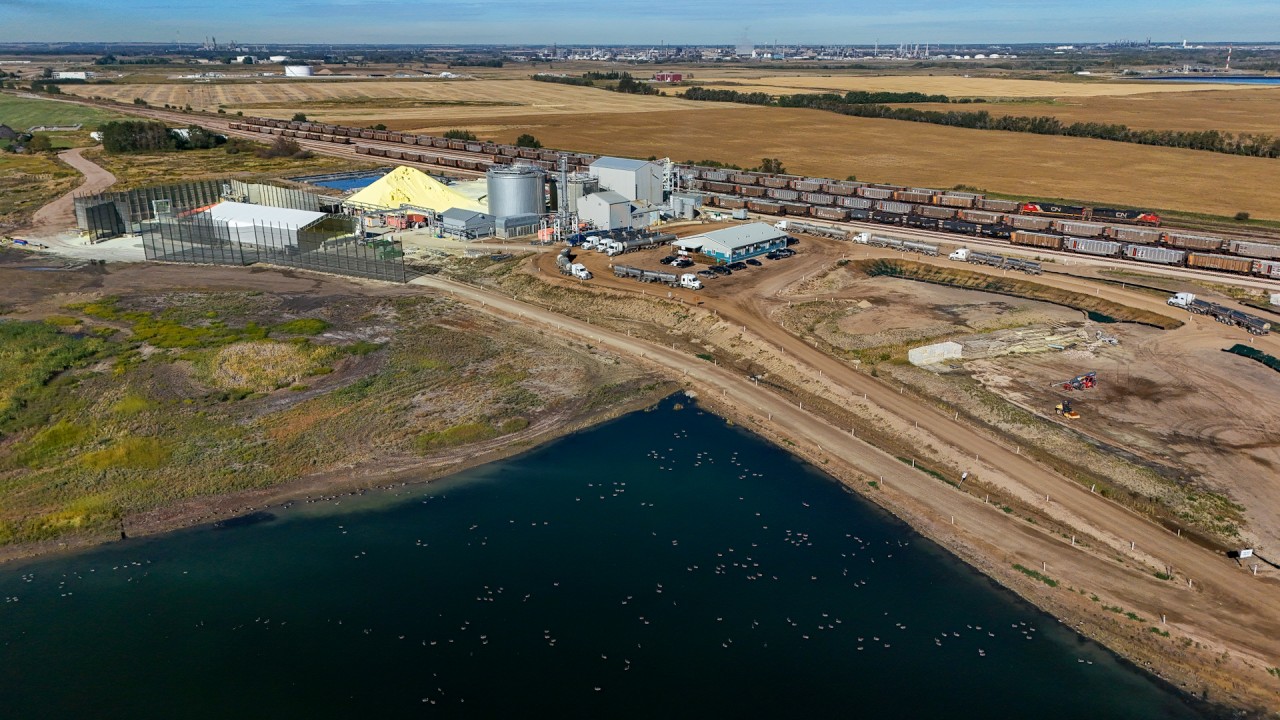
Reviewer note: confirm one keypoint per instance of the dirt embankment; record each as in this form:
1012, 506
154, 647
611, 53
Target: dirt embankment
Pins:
1106, 310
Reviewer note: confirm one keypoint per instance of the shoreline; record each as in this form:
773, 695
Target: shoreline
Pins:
1128, 651
330, 484
1132, 650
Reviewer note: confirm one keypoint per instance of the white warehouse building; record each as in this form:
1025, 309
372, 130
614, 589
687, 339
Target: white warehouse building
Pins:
606, 210
632, 179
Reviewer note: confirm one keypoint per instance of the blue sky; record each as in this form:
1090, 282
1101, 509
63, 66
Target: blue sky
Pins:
637, 21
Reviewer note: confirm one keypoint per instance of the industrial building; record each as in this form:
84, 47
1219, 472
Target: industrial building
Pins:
467, 224
735, 243
632, 179
245, 222
606, 210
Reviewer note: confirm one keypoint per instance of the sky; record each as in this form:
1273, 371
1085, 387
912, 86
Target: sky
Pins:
704, 22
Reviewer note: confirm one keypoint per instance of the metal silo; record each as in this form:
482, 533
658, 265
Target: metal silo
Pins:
579, 186
516, 190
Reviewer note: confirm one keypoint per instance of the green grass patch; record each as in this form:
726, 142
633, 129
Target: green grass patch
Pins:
1158, 631
1015, 287
62, 321
302, 326
362, 347
21, 113
135, 453
131, 405
49, 443
32, 355
462, 434
1036, 575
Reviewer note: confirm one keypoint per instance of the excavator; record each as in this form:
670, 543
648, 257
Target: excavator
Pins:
1064, 409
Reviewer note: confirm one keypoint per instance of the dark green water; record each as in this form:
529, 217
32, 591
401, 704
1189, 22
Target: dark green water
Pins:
662, 565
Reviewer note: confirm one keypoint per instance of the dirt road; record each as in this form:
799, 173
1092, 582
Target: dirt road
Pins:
1210, 599
58, 215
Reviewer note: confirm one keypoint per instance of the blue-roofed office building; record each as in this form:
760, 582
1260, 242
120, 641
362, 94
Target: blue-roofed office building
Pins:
735, 243
632, 179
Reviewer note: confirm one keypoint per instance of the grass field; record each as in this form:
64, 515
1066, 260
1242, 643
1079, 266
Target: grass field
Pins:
21, 113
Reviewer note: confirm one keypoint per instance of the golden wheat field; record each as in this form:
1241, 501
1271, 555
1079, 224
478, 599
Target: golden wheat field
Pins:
950, 85
1248, 111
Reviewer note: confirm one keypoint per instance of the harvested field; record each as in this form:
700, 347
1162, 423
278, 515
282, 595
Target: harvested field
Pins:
950, 85
813, 142
1237, 111
370, 102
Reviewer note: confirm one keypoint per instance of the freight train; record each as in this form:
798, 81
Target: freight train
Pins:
1143, 244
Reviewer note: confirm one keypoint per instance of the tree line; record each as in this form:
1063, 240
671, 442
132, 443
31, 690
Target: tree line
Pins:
625, 83
1250, 144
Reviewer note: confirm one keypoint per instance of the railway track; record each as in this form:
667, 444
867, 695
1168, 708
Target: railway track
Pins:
946, 238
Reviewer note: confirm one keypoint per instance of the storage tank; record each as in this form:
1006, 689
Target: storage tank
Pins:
515, 190
297, 71
580, 185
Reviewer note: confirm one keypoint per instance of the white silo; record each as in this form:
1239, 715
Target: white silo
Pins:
297, 71
516, 190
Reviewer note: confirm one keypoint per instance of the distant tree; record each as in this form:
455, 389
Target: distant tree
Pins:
140, 101
299, 117
852, 178
126, 136
528, 141
459, 135
46, 73
772, 165
39, 143
379, 126
284, 147
1242, 216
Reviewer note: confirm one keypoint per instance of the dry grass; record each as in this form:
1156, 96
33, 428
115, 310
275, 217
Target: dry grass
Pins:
1252, 111
27, 182
259, 366
820, 143
951, 85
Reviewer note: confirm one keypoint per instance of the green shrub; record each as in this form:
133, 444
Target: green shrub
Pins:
303, 326
135, 453
461, 434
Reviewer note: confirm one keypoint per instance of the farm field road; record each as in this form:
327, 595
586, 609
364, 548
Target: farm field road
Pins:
59, 214
1225, 605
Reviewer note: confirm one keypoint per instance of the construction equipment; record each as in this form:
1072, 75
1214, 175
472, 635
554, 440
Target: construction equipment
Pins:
1080, 382
1064, 409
